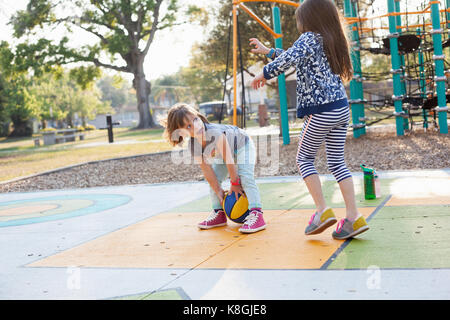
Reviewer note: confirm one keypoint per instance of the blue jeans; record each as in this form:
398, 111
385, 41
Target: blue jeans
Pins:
245, 159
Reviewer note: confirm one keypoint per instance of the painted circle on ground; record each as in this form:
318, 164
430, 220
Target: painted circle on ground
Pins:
36, 210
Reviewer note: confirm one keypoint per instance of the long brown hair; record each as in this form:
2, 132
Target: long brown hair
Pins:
323, 17
176, 117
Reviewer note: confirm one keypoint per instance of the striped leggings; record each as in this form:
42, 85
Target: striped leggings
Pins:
329, 126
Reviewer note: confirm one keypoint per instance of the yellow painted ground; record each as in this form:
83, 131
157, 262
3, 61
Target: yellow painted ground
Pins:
172, 240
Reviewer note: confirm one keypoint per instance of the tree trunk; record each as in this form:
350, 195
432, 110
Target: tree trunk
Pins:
21, 129
142, 87
69, 120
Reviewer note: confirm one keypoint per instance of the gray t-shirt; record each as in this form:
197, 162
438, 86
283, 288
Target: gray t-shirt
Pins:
236, 138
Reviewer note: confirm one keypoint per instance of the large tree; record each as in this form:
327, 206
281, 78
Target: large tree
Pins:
124, 29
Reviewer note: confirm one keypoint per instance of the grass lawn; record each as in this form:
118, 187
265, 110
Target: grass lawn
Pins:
20, 157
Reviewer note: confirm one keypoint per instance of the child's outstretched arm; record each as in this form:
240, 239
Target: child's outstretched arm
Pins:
260, 48
301, 49
304, 47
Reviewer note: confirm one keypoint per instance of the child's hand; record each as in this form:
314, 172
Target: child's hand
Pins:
236, 190
259, 47
258, 82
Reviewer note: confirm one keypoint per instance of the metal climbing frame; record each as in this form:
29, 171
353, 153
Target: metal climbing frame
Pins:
398, 63
436, 96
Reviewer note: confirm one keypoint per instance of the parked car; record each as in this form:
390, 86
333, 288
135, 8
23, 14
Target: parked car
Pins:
214, 108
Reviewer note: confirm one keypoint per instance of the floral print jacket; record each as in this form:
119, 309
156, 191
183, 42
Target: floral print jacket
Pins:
318, 88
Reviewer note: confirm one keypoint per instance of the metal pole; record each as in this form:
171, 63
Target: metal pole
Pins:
438, 58
281, 80
242, 117
234, 64
447, 6
356, 92
359, 79
398, 21
396, 71
423, 88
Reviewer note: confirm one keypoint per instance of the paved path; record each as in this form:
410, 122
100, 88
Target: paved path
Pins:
141, 242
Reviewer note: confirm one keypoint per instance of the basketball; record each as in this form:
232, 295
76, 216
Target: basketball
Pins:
236, 211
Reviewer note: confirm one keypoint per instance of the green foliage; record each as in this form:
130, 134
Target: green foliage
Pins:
215, 48
58, 95
6, 59
37, 12
172, 89
204, 77
84, 75
117, 91
4, 118
60, 98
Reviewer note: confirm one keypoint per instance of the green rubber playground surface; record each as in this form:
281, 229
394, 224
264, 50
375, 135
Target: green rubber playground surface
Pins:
294, 195
401, 237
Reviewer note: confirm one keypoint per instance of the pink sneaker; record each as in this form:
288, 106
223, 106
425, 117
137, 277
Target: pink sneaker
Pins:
253, 222
215, 219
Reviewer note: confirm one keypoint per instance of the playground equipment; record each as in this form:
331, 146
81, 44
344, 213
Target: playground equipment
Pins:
419, 71
276, 33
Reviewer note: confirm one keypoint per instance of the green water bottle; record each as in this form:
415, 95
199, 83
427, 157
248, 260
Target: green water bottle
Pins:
369, 182
376, 182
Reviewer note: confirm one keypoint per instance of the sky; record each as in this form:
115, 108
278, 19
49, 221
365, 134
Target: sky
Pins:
171, 48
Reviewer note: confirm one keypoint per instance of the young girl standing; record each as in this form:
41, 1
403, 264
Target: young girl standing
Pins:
321, 58
220, 150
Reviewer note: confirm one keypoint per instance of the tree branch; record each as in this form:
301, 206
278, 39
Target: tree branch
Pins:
102, 38
141, 13
109, 66
92, 21
154, 27
168, 25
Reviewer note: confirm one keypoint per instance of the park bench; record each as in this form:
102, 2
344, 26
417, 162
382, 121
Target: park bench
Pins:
69, 138
59, 136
